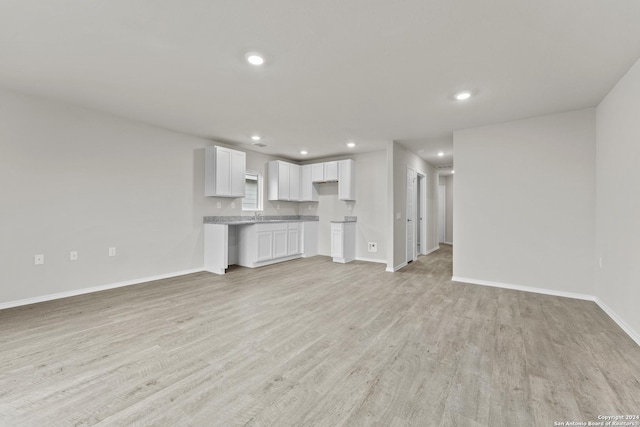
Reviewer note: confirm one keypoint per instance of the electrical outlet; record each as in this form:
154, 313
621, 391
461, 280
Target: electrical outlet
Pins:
38, 259
73, 256
309, 207
278, 206
373, 247
398, 215
218, 205
233, 205
112, 251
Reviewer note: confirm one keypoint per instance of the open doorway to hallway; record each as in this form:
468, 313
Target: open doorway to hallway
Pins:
416, 231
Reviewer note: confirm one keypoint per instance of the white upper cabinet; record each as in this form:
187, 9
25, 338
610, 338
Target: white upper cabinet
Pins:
346, 179
290, 182
308, 191
317, 172
331, 171
284, 181
294, 182
224, 172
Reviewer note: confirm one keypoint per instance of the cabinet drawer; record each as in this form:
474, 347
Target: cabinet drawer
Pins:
294, 226
279, 226
337, 227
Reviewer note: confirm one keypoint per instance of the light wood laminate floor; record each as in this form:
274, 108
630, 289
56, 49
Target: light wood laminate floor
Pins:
310, 342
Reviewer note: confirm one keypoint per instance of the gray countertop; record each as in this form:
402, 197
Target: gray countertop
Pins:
345, 220
248, 220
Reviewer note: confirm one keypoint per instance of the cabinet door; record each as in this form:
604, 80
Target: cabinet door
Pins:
294, 182
237, 173
305, 183
279, 243
293, 242
317, 172
331, 171
346, 180
264, 245
283, 180
308, 191
337, 248
223, 171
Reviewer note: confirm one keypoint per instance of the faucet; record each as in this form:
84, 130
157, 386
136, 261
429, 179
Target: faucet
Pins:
257, 216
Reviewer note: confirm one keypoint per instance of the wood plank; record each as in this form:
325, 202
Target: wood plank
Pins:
311, 342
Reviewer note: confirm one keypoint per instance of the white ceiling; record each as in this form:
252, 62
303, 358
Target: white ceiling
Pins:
371, 71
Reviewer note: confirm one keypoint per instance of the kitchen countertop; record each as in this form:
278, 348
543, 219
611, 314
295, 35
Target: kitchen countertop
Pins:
346, 219
249, 220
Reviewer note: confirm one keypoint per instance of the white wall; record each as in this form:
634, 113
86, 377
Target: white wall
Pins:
77, 179
400, 159
370, 206
618, 200
525, 203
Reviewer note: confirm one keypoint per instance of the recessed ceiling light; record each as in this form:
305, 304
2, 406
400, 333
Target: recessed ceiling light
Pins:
440, 154
421, 150
461, 96
351, 144
255, 58
256, 137
303, 152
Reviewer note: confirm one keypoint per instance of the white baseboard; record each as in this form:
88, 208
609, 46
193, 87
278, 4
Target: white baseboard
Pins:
396, 268
523, 288
623, 325
431, 250
448, 243
380, 261
83, 291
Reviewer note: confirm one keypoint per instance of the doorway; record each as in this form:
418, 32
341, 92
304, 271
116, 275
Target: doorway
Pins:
411, 214
421, 223
442, 213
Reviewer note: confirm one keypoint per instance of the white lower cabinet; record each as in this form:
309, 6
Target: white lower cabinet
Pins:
343, 241
337, 242
255, 245
263, 244
280, 247
293, 239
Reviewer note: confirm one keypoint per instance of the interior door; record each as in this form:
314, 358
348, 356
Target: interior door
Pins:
411, 214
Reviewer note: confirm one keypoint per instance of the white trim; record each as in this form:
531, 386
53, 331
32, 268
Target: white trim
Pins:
397, 267
83, 291
448, 243
406, 212
431, 250
621, 323
524, 288
379, 261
